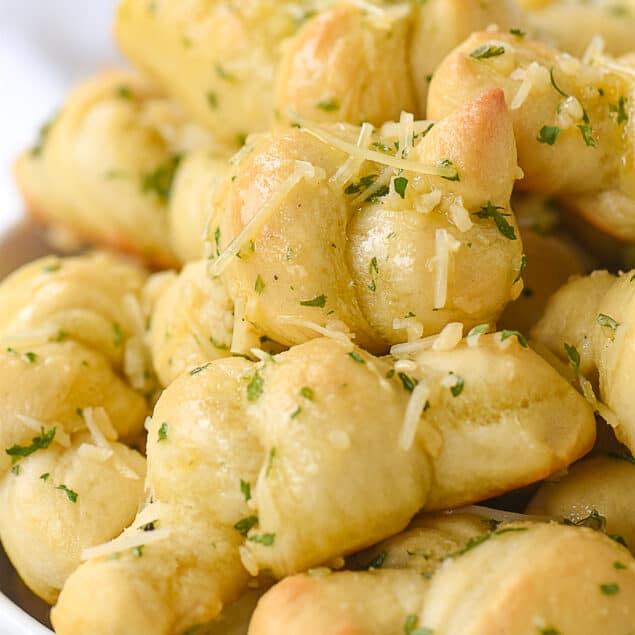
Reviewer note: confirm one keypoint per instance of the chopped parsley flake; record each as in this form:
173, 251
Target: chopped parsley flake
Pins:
619, 565
30, 357
223, 74
373, 266
362, 184
60, 337
263, 539
610, 589
491, 211
161, 178
123, 92
372, 286
607, 321
457, 389
200, 369
245, 488
53, 268
137, 551
212, 100
486, 51
382, 147
517, 32
407, 382
549, 631
328, 105
446, 163
16, 470
40, 442
217, 240
45, 476
521, 270
307, 393
572, 355
411, 624
480, 329
259, 286
255, 387
297, 412
151, 526
587, 135
380, 193
378, 561
522, 340
317, 301
553, 83
117, 336
244, 525
356, 357
163, 432
401, 183
548, 135
272, 456
72, 496
619, 110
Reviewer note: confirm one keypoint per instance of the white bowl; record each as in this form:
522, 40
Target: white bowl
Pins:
19, 608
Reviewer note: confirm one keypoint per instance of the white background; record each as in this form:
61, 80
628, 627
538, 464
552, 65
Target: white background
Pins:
46, 46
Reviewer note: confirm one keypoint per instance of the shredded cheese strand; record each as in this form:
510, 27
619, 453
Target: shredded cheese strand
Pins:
302, 170
414, 410
372, 155
123, 543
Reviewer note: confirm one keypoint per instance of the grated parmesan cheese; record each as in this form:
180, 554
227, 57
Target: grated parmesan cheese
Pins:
126, 542
391, 129
350, 168
337, 335
301, 170
413, 347
406, 133
459, 215
445, 245
414, 409
249, 560
99, 426
406, 365
94, 453
413, 328
449, 338
426, 203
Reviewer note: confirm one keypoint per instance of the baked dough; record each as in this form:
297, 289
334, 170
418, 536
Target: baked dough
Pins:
74, 380
315, 433
569, 120
597, 485
539, 578
44, 528
551, 259
593, 314
312, 249
104, 170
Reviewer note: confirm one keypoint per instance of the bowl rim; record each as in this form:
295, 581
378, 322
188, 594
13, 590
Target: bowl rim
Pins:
18, 622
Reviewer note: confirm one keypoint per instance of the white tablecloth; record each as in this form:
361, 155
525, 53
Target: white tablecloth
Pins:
45, 47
